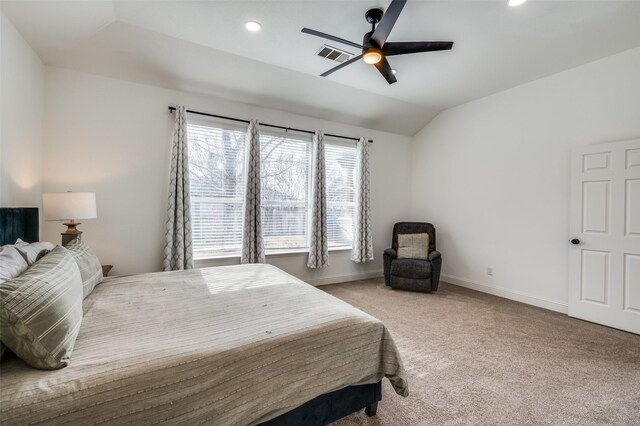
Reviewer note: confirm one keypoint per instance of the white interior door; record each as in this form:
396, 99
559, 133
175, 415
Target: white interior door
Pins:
605, 231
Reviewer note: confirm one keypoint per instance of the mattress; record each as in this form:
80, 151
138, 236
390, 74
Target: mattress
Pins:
226, 345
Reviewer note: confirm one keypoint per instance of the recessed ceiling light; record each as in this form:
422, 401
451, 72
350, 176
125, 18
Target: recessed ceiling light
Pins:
516, 2
394, 71
253, 26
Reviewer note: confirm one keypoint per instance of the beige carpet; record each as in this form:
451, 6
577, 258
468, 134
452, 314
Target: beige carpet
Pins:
473, 358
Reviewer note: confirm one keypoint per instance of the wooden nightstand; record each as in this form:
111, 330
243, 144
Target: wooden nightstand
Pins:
106, 269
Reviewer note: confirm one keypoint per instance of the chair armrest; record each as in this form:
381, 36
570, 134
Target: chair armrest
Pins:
434, 255
391, 253
436, 264
388, 256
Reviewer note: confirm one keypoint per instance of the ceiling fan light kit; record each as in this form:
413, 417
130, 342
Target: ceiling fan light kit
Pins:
372, 56
375, 47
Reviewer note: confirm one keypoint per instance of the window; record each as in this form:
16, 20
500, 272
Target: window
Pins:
340, 165
216, 161
216, 158
285, 167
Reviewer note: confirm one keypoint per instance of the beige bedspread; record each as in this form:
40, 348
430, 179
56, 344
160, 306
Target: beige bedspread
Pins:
227, 345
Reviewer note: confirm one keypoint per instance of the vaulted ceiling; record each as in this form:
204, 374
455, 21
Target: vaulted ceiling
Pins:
202, 46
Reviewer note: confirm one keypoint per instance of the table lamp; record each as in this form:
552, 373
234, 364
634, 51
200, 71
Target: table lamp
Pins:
69, 206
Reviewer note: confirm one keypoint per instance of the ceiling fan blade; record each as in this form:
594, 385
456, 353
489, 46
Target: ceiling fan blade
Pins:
385, 69
342, 65
402, 48
387, 22
330, 37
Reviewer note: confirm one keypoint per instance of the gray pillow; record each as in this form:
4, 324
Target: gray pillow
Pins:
42, 254
30, 250
413, 246
12, 263
90, 267
41, 311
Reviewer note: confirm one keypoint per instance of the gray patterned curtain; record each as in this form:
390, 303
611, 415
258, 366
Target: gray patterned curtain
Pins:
178, 251
362, 239
319, 245
252, 242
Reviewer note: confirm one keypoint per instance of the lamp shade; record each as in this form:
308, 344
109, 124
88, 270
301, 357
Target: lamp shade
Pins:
69, 205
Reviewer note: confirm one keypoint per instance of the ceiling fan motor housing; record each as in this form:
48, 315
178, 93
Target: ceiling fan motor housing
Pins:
373, 16
368, 43
371, 52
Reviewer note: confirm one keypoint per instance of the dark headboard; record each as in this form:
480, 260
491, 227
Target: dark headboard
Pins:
19, 222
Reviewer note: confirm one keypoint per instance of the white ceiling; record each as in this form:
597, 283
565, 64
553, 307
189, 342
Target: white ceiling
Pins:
203, 47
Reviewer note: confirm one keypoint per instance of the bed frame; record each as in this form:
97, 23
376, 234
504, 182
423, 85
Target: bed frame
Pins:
332, 406
19, 222
23, 222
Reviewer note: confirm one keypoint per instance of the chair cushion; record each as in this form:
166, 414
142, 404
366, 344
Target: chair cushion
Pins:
411, 268
410, 284
413, 246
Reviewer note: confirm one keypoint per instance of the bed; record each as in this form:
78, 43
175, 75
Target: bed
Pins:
245, 344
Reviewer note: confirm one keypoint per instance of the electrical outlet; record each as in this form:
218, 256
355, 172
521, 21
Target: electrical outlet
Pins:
490, 271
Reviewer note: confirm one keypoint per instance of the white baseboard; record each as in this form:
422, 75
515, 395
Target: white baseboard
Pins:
342, 278
507, 293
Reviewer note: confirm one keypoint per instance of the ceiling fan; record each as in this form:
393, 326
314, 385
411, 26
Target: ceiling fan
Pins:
375, 47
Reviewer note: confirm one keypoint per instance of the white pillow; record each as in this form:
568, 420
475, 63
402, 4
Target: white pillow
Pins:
12, 263
30, 251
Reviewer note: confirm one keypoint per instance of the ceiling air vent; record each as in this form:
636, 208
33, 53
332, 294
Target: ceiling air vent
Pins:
334, 54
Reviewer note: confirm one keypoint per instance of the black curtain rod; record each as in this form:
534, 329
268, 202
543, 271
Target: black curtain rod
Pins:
239, 120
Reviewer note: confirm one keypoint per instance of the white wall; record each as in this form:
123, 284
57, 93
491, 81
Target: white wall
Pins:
21, 118
493, 175
113, 137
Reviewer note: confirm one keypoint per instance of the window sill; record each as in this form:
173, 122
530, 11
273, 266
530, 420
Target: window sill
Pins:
343, 248
274, 253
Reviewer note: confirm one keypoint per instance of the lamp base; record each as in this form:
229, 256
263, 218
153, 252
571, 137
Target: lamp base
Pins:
71, 233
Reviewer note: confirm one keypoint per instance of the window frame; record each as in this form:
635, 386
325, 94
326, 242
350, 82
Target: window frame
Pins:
300, 138
225, 125
328, 140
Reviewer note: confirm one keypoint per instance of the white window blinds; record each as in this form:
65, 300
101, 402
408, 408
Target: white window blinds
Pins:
285, 163
216, 158
216, 161
340, 163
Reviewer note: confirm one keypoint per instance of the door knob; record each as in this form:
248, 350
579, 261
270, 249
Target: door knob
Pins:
575, 241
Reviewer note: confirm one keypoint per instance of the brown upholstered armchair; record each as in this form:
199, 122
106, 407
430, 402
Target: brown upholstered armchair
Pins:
413, 274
